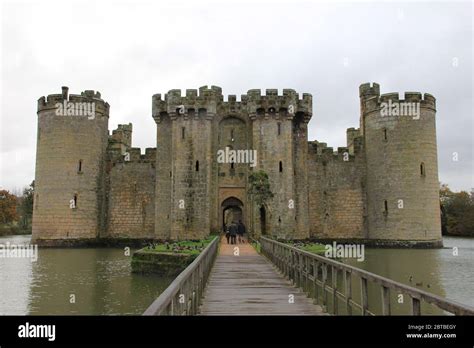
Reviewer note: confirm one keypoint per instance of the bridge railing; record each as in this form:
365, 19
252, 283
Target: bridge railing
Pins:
309, 272
183, 296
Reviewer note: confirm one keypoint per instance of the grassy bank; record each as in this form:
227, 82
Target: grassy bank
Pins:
187, 247
12, 229
168, 258
315, 248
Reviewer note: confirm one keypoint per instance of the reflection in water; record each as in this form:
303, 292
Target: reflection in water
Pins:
15, 278
100, 281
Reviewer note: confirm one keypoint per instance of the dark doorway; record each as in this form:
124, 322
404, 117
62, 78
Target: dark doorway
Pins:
231, 214
263, 220
232, 210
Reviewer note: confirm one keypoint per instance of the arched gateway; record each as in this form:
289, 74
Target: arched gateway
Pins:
232, 210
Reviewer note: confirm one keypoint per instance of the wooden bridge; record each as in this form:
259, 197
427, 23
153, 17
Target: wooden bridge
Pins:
243, 282
284, 280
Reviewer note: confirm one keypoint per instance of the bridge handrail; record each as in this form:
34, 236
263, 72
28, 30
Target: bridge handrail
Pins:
183, 296
302, 267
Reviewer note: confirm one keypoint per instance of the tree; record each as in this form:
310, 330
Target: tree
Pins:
25, 207
8, 202
260, 187
445, 196
457, 212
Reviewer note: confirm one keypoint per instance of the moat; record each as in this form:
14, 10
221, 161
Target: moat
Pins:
102, 282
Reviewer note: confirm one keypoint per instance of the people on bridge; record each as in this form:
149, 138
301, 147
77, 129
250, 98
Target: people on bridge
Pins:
240, 232
227, 232
233, 229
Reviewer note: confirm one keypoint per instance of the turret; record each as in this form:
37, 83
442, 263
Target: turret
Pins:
402, 169
69, 181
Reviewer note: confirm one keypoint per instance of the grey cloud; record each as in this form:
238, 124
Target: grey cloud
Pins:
129, 51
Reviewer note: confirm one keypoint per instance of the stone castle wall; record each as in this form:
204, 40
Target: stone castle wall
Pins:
337, 197
179, 191
70, 160
131, 196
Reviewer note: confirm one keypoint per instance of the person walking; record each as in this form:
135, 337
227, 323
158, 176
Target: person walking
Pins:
227, 232
240, 232
233, 232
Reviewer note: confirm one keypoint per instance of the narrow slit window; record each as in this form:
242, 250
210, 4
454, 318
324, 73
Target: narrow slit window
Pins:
385, 134
75, 200
385, 207
279, 128
422, 169
183, 130
281, 166
197, 166
79, 166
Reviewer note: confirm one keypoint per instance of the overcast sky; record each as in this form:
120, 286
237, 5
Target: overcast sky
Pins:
131, 50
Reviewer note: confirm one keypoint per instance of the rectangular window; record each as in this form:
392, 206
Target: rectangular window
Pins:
183, 130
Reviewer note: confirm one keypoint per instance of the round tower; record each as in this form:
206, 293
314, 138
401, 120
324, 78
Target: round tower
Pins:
402, 168
72, 139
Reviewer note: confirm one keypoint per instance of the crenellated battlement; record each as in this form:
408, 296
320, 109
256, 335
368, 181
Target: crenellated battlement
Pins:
123, 128
206, 102
321, 152
371, 99
122, 136
53, 101
426, 99
272, 104
133, 155
369, 89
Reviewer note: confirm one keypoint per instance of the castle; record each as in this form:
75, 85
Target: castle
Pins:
382, 188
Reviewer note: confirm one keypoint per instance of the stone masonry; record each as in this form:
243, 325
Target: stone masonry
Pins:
382, 188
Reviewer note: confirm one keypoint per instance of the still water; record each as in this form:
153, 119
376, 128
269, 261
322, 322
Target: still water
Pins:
98, 279
102, 283
438, 271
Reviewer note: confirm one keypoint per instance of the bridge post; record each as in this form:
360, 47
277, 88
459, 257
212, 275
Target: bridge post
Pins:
287, 263
348, 283
315, 280
307, 268
364, 295
416, 307
292, 269
325, 276
334, 271
385, 300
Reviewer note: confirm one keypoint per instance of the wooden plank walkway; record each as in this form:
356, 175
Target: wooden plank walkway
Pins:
249, 284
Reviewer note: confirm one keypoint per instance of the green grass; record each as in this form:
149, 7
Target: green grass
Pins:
314, 248
256, 246
188, 247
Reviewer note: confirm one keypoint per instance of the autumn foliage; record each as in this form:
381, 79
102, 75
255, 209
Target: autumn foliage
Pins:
8, 207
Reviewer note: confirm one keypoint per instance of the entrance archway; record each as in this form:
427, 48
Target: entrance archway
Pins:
232, 210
